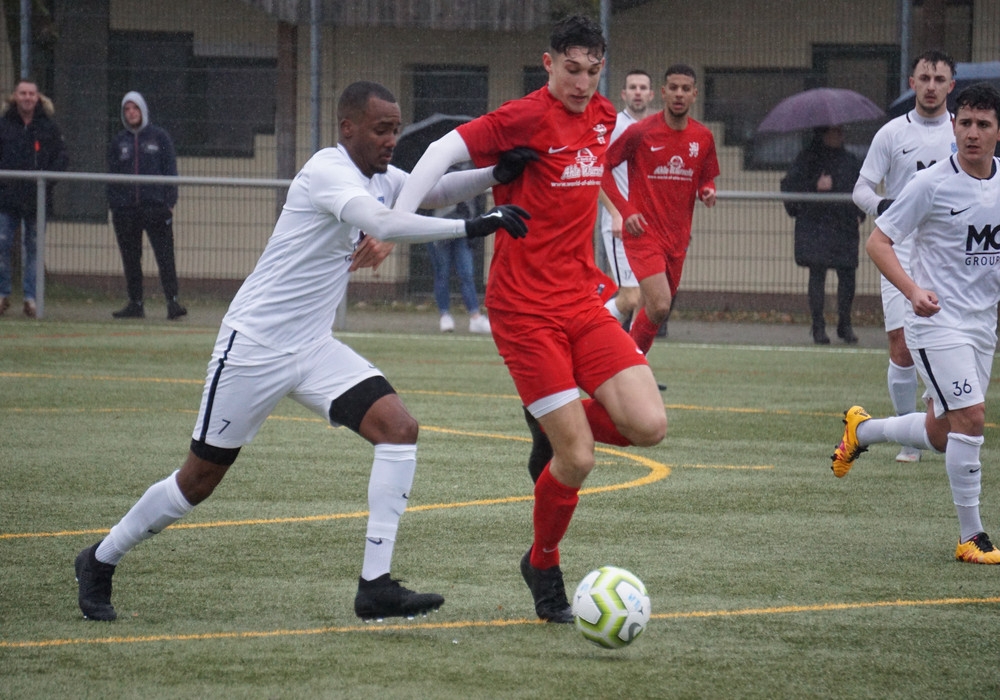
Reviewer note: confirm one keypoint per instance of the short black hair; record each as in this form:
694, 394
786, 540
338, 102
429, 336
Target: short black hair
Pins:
639, 71
979, 96
934, 56
680, 69
354, 99
581, 31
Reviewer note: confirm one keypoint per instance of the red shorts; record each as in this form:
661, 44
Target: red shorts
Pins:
649, 255
546, 355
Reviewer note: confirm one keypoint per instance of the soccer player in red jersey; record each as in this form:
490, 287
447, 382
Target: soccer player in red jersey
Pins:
671, 163
548, 320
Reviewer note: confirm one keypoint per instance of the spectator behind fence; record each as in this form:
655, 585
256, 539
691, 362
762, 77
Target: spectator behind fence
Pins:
143, 148
457, 254
826, 233
29, 140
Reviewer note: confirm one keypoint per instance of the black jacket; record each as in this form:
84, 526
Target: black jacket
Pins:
35, 146
145, 151
826, 234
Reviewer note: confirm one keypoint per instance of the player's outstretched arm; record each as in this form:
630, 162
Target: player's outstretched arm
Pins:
447, 151
461, 185
384, 224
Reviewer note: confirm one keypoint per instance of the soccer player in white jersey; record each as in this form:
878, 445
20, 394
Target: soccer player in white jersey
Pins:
951, 211
908, 143
276, 341
638, 96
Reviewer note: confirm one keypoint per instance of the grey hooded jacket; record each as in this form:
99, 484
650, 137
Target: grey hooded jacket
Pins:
146, 150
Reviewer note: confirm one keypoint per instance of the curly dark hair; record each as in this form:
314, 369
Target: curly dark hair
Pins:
979, 96
934, 56
578, 31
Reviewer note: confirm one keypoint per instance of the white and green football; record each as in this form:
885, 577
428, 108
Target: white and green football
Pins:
611, 607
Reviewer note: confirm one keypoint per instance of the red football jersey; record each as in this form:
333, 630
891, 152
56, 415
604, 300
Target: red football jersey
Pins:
666, 169
553, 268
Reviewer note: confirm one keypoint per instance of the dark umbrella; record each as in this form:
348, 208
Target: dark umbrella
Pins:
415, 138
819, 107
966, 74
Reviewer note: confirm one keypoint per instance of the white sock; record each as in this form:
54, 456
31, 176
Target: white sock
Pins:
612, 306
388, 490
163, 504
909, 430
965, 473
902, 388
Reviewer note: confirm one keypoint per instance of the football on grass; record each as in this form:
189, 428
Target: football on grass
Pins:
611, 607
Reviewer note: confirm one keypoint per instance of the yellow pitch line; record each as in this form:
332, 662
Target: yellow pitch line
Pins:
99, 378
829, 607
749, 467
657, 472
474, 624
424, 392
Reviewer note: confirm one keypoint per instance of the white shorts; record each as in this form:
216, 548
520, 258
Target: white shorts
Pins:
894, 305
618, 267
955, 377
246, 381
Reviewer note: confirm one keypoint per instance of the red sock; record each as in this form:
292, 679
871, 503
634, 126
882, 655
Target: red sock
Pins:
554, 506
643, 331
601, 425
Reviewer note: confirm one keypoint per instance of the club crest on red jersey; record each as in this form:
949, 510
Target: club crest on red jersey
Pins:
584, 167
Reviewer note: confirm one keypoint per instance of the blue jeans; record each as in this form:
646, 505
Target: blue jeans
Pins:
29, 246
445, 254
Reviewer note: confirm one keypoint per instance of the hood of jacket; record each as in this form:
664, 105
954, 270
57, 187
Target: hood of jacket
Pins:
140, 102
44, 108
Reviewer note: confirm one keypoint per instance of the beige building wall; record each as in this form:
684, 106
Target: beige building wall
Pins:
220, 231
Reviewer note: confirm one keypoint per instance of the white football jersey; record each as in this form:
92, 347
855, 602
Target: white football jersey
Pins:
290, 299
901, 148
906, 145
953, 220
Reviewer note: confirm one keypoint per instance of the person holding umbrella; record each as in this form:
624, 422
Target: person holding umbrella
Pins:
826, 233
905, 145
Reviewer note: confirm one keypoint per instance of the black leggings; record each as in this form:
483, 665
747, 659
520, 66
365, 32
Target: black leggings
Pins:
157, 221
817, 295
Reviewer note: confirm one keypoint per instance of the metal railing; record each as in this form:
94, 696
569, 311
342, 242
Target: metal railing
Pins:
766, 275
43, 177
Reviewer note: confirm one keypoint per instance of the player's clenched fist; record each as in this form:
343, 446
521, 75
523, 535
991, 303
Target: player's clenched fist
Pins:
509, 217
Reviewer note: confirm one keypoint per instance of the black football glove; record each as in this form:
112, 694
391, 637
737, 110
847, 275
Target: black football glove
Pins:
512, 163
509, 217
883, 205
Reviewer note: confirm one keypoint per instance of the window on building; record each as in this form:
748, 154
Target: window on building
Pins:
458, 90
741, 98
942, 24
450, 89
533, 78
211, 106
